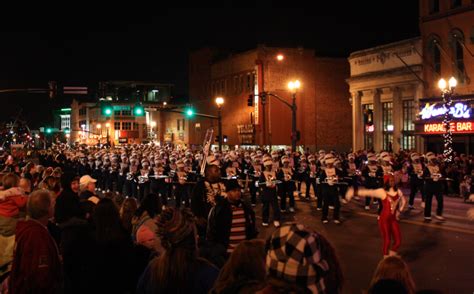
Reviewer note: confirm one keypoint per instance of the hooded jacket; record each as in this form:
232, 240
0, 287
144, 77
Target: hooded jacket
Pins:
68, 202
36, 266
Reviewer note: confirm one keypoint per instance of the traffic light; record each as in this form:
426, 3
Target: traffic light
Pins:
138, 110
52, 89
67, 131
250, 100
49, 130
106, 109
189, 112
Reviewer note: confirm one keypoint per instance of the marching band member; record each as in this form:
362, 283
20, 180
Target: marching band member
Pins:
287, 187
372, 175
415, 171
330, 194
393, 204
269, 193
144, 180
205, 193
254, 174
433, 187
302, 172
157, 181
130, 187
311, 179
122, 173
181, 189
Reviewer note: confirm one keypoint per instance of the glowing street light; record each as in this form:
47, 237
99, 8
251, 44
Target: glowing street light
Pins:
219, 101
99, 126
280, 57
153, 124
294, 85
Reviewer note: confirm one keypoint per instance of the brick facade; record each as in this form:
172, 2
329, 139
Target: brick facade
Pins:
323, 109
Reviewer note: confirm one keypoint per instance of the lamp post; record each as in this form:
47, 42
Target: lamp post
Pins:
293, 86
447, 90
107, 125
99, 128
219, 102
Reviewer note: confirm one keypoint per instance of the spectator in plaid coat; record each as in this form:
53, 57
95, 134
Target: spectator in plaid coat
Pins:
301, 261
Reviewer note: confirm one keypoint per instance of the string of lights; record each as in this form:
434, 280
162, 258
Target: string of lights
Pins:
447, 93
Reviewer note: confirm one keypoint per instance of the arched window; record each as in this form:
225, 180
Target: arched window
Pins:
434, 6
457, 42
435, 55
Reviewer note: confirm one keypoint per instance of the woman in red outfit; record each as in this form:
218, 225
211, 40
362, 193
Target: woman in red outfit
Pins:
393, 203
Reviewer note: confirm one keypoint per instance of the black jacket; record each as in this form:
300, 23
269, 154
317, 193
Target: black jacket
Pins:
220, 222
67, 206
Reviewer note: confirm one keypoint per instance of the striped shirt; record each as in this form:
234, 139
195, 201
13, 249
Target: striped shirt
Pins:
237, 230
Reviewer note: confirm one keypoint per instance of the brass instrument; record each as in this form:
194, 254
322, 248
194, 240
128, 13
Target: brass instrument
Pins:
206, 147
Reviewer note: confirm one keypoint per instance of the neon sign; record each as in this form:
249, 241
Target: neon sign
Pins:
456, 127
459, 110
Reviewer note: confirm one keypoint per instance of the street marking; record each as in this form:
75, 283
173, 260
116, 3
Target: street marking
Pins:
420, 223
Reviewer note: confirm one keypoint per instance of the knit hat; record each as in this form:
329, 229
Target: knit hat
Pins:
175, 226
294, 255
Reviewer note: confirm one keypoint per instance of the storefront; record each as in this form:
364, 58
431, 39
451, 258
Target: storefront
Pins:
431, 128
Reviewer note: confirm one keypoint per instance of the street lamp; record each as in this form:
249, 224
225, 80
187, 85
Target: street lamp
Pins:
99, 127
280, 57
219, 102
447, 91
293, 86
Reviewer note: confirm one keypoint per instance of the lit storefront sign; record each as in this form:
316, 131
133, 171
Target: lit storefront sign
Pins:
369, 129
459, 110
437, 128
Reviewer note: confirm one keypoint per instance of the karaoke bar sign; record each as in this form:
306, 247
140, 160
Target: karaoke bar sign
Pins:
456, 128
459, 110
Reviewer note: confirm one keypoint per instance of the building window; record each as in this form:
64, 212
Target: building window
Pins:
408, 136
408, 142
117, 125
387, 125
116, 112
457, 44
83, 111
408, 115
65, 122
82, 123
434, 6
126, 112
135, 126
368, 134
435, 56
456, 3
126, 126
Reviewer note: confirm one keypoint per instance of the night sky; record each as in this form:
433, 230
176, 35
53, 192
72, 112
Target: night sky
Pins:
85, 44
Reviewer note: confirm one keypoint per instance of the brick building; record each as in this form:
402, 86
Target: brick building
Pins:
323, 109
447, 32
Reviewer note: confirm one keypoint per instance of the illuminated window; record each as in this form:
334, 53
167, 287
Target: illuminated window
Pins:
387, 125
117, 125
126, 126
368, 136
408, 136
